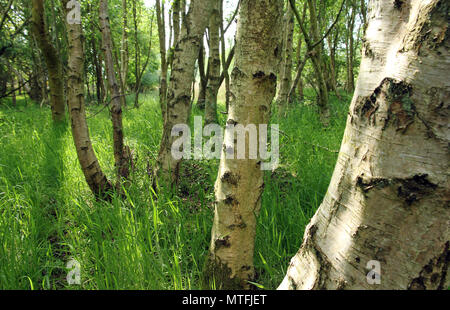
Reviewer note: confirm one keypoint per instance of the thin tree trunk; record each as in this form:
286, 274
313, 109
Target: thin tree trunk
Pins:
317, 62
214, 65
298, 83
332, 44
100, 87
162, 50
139, 72
224, 62
182, 77
384, 222
120, 159
240, 183
124, 47
52, 60
350, 51
204, 77
96, 179
286, 71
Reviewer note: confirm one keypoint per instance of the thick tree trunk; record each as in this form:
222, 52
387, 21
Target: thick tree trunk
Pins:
240, 184
90, 166
388, 202
52, 60
286, 70
120, 159
182, 77
214, 65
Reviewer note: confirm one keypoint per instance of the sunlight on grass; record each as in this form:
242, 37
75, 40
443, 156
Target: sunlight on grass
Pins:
147, 240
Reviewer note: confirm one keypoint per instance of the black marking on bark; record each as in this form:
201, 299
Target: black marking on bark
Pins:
217, 272
402, 109
230, 178
292, 284
241, 225
415, 188
230, 200
398, 4
259, 75
275, 52
368, 51
232, 122
222, 242
409, 189
263, 108
366, 107
434, 274
366, 186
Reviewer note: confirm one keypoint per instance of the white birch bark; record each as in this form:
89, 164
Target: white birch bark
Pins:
389, 196
240, 183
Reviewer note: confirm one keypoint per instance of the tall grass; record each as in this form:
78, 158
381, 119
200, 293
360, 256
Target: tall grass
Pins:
146, 240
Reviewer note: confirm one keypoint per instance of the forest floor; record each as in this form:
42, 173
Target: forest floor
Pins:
147, 240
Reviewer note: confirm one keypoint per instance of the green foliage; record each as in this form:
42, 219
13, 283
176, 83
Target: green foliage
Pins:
147, 240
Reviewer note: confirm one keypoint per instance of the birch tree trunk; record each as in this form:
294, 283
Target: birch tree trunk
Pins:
225, 66
162, 50
204, 77
124, 57
317, 62
351, 50
286, 70
96, 179
388, 200
120, 157
176, 22
182, 77
239, 183
52, 60
214, 65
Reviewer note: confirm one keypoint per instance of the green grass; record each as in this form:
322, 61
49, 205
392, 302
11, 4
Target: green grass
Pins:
147, 240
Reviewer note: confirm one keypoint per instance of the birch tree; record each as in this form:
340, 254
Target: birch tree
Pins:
239, 183
214, 65
388, 201
285, 79
52, 60
120, 154
96, 179
181, 79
